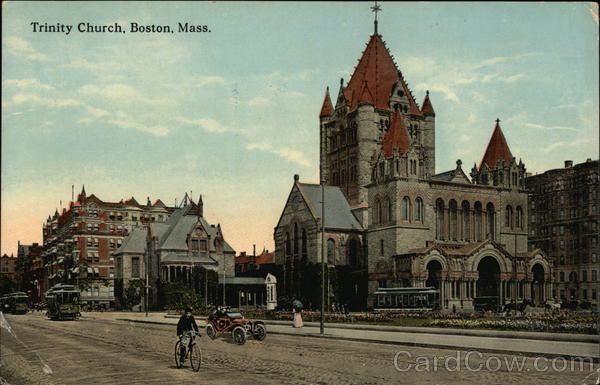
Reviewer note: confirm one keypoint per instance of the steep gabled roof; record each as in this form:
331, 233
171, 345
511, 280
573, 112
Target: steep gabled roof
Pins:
327, 108
338, 213
497, 149
396, 137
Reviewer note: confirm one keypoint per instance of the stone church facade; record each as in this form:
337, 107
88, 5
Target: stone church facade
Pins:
464, 235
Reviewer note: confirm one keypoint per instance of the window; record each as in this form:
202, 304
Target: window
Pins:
203, 245
584, 294
562, 276
111, 272
519, 217
304, 245
508, 219
288, 245
135, 267
381, 247
419, 210
406, 208
584, 276
195, 245
594, 275
330, 251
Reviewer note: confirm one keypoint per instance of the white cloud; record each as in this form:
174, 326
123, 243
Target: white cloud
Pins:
260, 101
448, 93
94, 114
21, 47
284, 152
28, 83
157, 130
91, 66
209, 125
513, 78
120, 92
534, 125
502, 59
22, 98
203, 81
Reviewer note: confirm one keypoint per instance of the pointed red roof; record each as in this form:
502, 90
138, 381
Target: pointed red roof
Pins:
377, 68
327, 108
396, 137
427, 108
497, 149
159, 203
366, 96
131, 201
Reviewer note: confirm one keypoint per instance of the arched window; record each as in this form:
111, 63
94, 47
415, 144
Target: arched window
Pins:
330, 251
390, 215
508, 217
477, 221
453, 219
491, 221
519, 217
304, 245
439, 219
295, 239
379, 211
419, 210
466, 221
406, 208
288, 247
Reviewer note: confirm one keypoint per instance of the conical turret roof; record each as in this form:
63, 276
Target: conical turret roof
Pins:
427, 108
327, 108
396, 137
496, 149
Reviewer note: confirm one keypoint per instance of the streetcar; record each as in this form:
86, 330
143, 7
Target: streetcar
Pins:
16, 303
407, 299
63, 302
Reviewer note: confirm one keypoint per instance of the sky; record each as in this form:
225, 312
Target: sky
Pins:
232, 114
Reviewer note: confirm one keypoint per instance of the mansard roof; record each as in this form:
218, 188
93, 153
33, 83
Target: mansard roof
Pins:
327, 108
427, 108
497, 149
377, 68
396, 137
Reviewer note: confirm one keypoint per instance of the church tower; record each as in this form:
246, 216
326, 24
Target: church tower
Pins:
352, 132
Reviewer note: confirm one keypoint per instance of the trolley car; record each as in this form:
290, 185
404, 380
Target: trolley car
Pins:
407, 299
16, 303
63, 302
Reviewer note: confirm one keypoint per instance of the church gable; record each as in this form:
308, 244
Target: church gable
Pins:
295, 206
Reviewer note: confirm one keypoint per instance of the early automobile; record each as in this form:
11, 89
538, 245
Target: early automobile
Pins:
223, 320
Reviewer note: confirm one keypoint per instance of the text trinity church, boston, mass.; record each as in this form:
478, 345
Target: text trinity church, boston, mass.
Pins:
391, 220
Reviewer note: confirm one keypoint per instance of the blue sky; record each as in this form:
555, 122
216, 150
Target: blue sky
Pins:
232, 114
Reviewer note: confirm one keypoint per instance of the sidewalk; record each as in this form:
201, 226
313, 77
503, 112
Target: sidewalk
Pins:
546, 344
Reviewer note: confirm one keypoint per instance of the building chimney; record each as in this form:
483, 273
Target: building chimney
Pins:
568, 163
296, 178
254, 250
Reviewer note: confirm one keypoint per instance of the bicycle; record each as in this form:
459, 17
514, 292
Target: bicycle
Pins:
192, 351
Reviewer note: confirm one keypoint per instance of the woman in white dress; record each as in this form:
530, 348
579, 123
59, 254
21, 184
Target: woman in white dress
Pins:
297, 305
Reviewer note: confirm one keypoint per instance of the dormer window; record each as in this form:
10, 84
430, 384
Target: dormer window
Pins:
195, 245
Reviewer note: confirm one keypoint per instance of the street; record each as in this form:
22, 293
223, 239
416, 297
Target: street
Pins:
93, 350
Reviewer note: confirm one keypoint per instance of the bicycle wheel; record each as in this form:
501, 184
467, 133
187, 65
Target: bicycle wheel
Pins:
195, 357
178, 360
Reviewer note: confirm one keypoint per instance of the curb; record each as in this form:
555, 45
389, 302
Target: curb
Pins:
415, 344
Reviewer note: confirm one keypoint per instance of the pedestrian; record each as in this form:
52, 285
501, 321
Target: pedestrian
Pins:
297, 306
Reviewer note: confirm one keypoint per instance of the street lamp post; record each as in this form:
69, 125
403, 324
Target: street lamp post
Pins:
323, 251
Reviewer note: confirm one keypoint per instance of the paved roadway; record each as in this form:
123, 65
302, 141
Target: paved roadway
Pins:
107, 351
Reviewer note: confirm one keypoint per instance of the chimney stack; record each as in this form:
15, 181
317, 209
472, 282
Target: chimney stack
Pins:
568, 163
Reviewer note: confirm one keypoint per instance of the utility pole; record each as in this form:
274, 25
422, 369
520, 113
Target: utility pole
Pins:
323, 253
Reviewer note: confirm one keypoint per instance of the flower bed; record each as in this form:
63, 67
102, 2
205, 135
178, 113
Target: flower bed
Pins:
526, 324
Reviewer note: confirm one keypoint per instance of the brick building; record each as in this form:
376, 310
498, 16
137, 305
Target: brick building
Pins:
245, 263
395, 216
31, 272
78, 242
8, 267
564, 214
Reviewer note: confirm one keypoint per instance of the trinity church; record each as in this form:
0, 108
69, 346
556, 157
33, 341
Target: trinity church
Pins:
391, 219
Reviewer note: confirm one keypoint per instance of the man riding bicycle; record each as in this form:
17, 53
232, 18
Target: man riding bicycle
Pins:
186, 324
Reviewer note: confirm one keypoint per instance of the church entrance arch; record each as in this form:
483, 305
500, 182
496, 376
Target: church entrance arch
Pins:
489, 277
537, 284
434, 276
